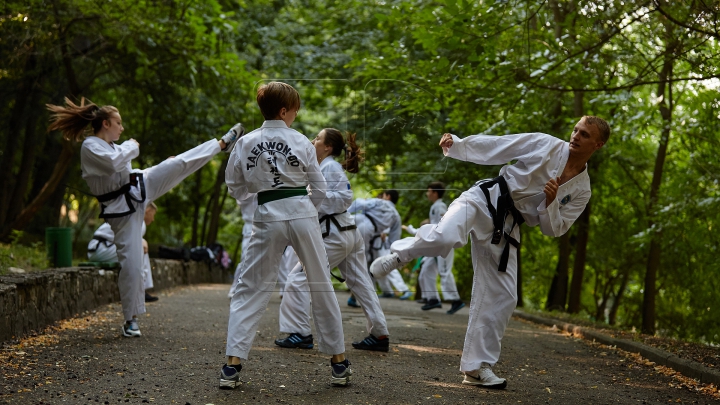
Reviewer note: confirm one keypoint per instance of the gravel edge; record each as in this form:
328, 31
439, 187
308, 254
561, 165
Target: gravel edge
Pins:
689, 368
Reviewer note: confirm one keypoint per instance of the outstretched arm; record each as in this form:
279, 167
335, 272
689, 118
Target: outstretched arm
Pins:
495, 150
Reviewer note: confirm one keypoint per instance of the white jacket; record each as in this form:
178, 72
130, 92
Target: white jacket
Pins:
540, 157
271, 157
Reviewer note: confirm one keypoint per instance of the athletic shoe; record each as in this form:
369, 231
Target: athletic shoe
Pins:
352, 302
373, 343
456, 306
232, 136
150, 298
406, 295
433, 303
230, 376
340, 373
486, 379
131, 328
296, 340
383, 265
387, 295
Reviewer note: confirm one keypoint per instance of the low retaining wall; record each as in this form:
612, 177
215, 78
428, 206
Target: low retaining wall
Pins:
32, 301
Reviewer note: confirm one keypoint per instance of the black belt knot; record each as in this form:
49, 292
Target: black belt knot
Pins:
505, 207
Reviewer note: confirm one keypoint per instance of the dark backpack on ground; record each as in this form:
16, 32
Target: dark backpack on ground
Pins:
165, 252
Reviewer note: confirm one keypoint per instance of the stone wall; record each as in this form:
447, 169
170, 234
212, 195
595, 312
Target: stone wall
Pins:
32, 301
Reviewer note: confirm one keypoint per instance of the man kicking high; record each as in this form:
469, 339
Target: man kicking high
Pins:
548, 186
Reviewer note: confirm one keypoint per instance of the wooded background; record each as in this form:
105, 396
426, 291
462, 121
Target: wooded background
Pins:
400, 73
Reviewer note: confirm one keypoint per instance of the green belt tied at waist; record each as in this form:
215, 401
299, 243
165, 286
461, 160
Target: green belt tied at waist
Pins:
280, 193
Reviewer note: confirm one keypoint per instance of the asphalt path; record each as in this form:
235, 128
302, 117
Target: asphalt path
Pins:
178, 358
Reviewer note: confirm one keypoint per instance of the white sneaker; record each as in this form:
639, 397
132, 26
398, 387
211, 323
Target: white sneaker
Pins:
131, 329
232, 136
486, 378
383, 265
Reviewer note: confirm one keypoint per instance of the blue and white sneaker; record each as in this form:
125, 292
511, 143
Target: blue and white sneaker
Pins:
406, 295
232, 136
131, 328
352, 302
296, 340
341, 373
230, 376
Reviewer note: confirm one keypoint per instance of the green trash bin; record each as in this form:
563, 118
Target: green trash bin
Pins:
59, 246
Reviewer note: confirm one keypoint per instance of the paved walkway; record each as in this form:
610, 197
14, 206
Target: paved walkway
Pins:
177, 361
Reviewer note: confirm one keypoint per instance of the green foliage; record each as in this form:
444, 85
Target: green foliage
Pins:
28, 258
400, 73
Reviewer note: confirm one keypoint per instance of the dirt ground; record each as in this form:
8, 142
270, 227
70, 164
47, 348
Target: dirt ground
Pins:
178, 358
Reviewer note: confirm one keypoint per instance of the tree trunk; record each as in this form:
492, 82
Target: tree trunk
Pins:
196, 207
559, 286
583, 234
63, 162
29, 153
14, 129
217, 203
612, 316
653, 262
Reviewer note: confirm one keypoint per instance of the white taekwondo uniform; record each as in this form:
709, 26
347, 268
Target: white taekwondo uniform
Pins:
247, 209
394, 279
264, 161
101, 248
540, 157
345, 249
431, 266
106, 168
372, 216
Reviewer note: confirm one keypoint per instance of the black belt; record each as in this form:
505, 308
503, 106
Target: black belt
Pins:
136, 179
505, 207
331, 218
100, 240
280, 193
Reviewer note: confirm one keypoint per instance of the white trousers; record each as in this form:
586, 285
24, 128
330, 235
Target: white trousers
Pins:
259, 274
288, 262
494, 293
109, 254
243, 253
427, 279
128, 229
345, 250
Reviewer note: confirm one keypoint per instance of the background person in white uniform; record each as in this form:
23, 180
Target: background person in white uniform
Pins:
101, 248
388, 237
547, 187
279, 163
431, 266
124, 193
345, 249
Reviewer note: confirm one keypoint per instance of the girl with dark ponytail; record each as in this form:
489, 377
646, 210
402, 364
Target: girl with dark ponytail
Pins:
345, 249
124, 193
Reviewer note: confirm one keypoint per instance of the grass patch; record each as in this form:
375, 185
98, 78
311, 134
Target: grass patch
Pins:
28, 258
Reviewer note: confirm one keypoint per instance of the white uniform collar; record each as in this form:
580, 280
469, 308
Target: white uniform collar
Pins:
331, 157
274, 124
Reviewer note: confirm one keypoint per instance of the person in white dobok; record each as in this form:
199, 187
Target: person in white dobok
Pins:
431, 266
372, 216
280, 165
548, 186
101, 248
345, 249
387, 238
124, 192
